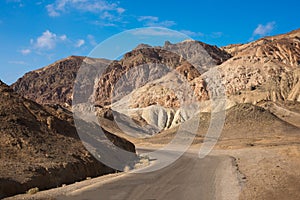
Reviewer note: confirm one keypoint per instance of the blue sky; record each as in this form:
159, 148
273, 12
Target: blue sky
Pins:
36, 33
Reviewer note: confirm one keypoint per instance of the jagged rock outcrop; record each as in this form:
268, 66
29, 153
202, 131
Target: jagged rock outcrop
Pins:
40, 147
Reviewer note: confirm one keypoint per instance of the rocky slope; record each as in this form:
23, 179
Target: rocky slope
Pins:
283, 48
53, 84
146, 64
39, 146
266, 69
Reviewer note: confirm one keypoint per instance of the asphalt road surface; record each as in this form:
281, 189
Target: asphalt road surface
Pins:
189, 178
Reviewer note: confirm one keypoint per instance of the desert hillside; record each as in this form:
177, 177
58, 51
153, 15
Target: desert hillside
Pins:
40, 146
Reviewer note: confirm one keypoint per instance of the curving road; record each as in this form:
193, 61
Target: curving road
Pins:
189, 178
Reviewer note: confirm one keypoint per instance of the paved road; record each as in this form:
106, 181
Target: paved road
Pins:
189, 178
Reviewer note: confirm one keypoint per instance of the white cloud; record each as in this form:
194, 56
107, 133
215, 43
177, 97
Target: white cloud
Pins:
63, 37
52, 11
166, 23
47, 41
263, 30
192, 34
151, 18
17, 62
107, 15
25, 51
156, 32
120, 10
154, 21
104, 24
92, 40
216, 34
79, 43
94, 6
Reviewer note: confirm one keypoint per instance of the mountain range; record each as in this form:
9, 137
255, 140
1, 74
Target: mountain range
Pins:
150, 91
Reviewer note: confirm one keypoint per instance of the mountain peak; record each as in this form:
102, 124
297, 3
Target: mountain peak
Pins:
2, 83
142, 46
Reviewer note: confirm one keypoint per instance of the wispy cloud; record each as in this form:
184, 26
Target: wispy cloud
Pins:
13, 1
18, 3
107, 14
93, 6
91, 40
155, 32
151, 18
17, 62
52, 11
216, 34
63, 37
263, 30
104, 23
155, 22
79, 43
213, 35
120, 10
25, 51
166, 23
192, 33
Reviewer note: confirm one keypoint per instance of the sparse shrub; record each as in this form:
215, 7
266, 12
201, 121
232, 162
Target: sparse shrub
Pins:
33, 190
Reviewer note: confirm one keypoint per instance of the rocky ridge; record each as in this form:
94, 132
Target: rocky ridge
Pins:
54, 84
262, 70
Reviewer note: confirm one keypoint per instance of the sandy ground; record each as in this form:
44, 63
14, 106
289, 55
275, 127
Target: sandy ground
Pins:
270, 173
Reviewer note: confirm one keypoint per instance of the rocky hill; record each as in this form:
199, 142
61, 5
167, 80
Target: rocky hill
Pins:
258, 72
151, 79
39, 146
146, 64
266, 69
53, 84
